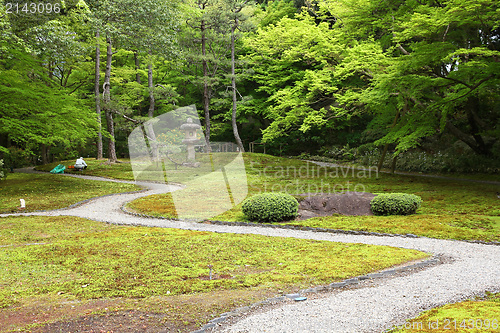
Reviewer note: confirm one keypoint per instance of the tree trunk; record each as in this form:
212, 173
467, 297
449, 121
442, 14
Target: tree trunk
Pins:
393, 165
472, 109
151, 111
206, 88
107, 100
233, 84
45, 154
98, 96
137, 64
469, 141
382, 158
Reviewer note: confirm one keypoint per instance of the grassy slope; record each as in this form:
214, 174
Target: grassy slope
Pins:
451, 209
48, 191
56, 259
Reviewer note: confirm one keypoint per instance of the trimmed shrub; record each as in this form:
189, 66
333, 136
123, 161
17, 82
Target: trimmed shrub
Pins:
270, 207
395, 204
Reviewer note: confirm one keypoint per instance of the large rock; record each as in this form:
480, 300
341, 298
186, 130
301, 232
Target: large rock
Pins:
348, 203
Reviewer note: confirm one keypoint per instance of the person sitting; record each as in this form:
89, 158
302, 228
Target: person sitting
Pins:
80, 164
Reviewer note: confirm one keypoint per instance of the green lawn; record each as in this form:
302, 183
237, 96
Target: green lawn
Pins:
48, 191
451, 209
60, 258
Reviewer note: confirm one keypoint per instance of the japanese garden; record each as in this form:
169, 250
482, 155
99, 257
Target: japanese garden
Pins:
250, 166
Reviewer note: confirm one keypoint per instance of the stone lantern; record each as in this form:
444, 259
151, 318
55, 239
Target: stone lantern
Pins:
190, 139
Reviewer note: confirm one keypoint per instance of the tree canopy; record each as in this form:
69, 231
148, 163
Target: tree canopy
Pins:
307, 77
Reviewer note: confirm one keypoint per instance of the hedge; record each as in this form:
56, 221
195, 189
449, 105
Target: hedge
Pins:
270, 207
395, 204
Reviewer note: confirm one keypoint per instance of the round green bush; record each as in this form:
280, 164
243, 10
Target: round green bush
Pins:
270, 207
395, 204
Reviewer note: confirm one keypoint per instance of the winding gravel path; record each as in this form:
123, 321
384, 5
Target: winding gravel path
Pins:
471, 270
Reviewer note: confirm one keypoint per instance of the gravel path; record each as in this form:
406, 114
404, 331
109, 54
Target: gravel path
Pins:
471, 270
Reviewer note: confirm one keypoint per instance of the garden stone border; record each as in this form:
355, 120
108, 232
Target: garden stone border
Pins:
433, 261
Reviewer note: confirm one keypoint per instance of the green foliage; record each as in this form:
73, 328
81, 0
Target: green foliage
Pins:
435, 66
34, 110
149, 25
395, 204
276, 10
16, 158
345, 153
447, 161
294, 71
270, 207
337, 66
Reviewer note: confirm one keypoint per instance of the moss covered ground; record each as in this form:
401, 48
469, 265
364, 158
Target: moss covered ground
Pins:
54, 279
54, 260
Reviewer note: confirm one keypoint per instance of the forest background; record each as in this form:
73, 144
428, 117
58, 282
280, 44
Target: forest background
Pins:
413, 83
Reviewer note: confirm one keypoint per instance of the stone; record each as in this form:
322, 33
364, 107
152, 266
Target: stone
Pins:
375, 275
351, 281
217, 320
349, 203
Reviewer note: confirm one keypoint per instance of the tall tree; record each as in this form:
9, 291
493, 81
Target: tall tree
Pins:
107, 102
97, 94
54, 71
206, 45
295, 72
236, 17
139, 26
34, 110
